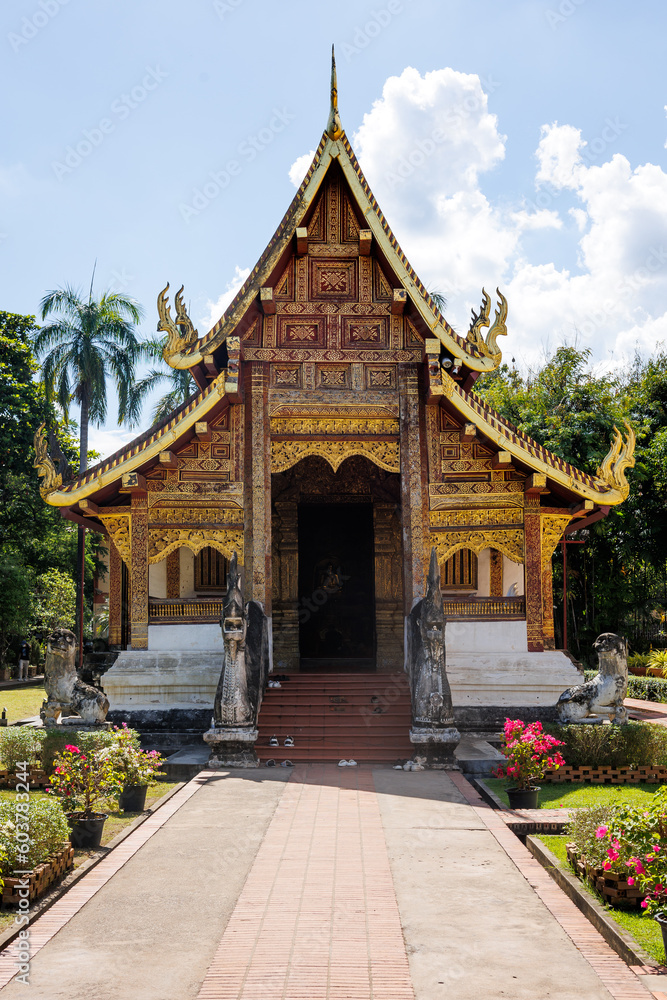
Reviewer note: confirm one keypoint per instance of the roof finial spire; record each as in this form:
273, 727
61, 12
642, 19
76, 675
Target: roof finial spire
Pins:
334, 127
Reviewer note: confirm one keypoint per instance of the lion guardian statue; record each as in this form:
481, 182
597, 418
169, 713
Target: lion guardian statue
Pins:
605, 693
66, 694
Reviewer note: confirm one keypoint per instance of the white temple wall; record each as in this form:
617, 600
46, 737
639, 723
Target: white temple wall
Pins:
484, 573
185, 638
187, 573
157, 579
512, 574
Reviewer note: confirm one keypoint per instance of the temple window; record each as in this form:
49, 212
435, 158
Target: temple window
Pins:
460, 571
210, 570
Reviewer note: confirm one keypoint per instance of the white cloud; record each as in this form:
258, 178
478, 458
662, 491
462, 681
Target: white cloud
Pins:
426, 146
299, 168
216, 309
106, 441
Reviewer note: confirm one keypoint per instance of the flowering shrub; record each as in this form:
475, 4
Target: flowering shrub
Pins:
136, 766
529, 753
18, 744
85, 780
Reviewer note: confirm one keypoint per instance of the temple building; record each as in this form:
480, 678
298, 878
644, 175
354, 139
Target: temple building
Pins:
335, 439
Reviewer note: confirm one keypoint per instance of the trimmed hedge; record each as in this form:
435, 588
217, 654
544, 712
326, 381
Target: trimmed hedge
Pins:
58, 737
643, 688
638, 744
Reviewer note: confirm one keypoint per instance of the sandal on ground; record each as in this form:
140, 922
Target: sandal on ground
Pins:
286, 763
352, 763
273, 742
342, 763
271, 763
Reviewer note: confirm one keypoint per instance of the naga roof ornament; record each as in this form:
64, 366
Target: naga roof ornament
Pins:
46, 469
621, 456
489, 346
181, 334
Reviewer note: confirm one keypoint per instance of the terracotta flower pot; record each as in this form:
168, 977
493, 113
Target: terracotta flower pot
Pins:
87, 830
133, 798
523, 798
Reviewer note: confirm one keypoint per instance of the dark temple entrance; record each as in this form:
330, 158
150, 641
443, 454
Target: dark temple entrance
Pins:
336, 586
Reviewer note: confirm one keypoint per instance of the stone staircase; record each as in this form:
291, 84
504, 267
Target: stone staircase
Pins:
337, 715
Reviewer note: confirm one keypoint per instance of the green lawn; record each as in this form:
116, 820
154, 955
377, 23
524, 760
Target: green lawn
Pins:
22, 702
570, 795
116, 822
645, 931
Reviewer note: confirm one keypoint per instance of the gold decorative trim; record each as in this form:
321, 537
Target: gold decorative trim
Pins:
553, 526
162, 541
195, 515
118, 527
385, 454
334, 425
485, 517
509, 541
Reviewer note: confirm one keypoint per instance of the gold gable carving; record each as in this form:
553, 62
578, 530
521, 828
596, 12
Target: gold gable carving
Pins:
385, 454
553, 526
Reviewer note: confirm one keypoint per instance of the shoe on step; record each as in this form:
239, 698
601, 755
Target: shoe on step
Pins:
398, 767
273, 742
408, 766
271, 763
342, 763
351, 763
286, 763
289, 742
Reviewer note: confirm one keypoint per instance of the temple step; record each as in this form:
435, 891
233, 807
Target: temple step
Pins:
332, 716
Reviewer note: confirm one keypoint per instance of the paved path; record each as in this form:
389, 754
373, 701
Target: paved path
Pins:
353, 884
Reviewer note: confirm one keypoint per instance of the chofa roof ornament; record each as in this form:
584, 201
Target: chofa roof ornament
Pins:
334, 127
44, 463
489, 347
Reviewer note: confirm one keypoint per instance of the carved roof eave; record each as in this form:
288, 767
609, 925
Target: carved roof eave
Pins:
526, 451
339, 150
137, 453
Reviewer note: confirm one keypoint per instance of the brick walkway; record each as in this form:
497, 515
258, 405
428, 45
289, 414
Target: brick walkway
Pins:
317, 917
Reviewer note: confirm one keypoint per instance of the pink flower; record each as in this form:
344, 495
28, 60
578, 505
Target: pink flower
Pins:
656, 848
614, 855
601, 832
71, 748
639, 868
615, 843
644, 904
606, 865
659, 888
631, 881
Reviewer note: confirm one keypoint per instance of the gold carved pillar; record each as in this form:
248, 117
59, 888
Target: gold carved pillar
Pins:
139, 569
257, 542
533, 570
115, 595
174, 574
285, 570
495, 573
413, 486
388, 588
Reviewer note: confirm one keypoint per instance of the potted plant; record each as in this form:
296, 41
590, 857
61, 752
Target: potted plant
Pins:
529, 753
84, 781
137, 768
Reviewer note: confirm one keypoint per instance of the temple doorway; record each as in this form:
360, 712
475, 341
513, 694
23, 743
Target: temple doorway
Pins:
336, 586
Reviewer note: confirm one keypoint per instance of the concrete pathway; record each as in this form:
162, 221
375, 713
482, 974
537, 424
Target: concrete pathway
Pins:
348, 883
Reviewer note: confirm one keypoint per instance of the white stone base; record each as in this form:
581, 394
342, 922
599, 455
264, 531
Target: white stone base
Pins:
512, 679
204, 638
146, 681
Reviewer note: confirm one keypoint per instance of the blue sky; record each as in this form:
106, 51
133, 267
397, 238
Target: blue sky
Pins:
550, 179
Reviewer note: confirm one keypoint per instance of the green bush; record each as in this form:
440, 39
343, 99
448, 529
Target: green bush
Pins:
637, 744
20, 743
58, 737
48, 831
647, 688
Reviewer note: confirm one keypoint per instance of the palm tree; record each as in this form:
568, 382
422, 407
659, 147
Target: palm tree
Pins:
181, 384
87, 341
